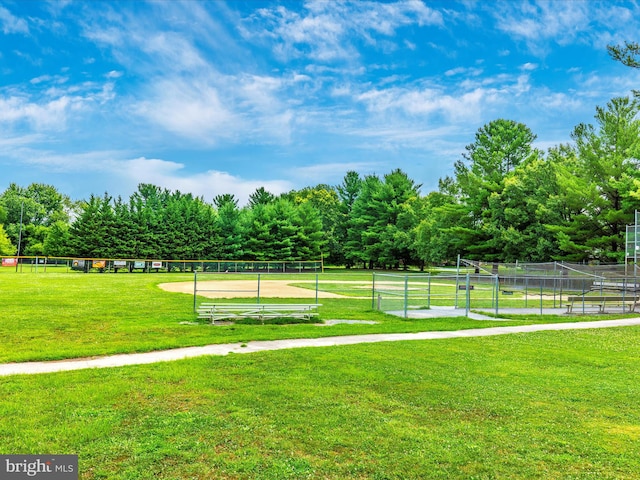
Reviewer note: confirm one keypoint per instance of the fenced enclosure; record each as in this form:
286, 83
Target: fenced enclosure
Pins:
246, 286
495, 287
410, 292
87, 265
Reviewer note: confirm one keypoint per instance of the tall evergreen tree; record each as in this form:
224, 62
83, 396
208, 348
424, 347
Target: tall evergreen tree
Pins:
124, 230
500, 147
89, 234
348, 191
147, 206
608, 160
261, 197
362, 243
230, 228
627, 54
323, 200
309, 235
397, 205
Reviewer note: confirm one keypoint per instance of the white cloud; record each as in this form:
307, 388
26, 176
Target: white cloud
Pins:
455, 71
189, 108
472, 72
558, 100
426, 102
168, 48
118, 175
11, 143
23, 154
176, 76
55, 106
51, 114
167, 38
213, 107
616, 23
332, 172
183, 91
207, 184
328, 31
40, 79
540, 23
12, 24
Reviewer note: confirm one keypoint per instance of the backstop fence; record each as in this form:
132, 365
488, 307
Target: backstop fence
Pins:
495, 287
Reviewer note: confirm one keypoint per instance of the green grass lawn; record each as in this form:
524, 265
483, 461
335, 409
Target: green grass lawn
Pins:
47, 316
541, 405
545, 405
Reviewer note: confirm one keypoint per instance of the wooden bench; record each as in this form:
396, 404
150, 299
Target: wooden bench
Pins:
602, 301
598, 285
261, 311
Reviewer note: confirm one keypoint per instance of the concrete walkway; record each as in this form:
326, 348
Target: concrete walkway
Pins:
261, 346
440, 312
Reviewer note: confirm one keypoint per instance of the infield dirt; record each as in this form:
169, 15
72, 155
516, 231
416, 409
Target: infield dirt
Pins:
248, 289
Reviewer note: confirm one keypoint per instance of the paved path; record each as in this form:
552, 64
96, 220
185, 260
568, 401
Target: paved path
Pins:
260, 346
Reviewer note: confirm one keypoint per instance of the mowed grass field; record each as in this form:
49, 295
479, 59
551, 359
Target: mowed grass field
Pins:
545, 405
542, 405
54, 316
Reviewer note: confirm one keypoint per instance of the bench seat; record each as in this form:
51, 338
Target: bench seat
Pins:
602, 301
261, 311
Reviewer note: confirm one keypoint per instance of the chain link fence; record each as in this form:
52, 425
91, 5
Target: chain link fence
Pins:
87, 265
499, 287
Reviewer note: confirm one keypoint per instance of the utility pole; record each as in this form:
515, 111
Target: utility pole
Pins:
20, 235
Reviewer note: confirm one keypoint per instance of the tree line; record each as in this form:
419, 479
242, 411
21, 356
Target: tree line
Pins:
304, 224
505, 201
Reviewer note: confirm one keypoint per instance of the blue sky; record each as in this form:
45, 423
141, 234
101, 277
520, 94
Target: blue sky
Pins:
214, 97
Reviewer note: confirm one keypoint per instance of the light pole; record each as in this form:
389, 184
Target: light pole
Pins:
20, 235
635, 251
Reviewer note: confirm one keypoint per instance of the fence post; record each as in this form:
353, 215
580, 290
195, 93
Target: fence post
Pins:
258, 289
406, 294
468, 297
493, 294
195, 289
429, 291
497, 290
373, 293
554, 290
541, 281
